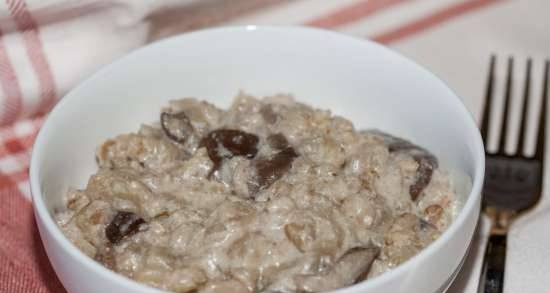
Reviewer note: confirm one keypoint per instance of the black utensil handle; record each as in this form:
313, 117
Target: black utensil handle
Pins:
492, 272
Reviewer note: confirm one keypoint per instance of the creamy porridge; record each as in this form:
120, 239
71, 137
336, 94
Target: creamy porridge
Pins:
268, 196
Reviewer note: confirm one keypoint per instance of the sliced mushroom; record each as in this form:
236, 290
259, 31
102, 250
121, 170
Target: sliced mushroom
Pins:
426, 166
270, 170
427, 162
226, 143
124, 224
352, 267
176, 126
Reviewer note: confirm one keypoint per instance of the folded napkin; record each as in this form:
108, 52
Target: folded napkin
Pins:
48, 46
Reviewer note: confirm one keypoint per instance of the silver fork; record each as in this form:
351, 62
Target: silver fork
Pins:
513, 183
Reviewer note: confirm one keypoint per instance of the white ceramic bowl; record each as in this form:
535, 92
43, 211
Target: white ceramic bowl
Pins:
358, 79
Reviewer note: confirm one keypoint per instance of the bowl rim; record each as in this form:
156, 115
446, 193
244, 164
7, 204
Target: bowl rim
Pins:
42, 214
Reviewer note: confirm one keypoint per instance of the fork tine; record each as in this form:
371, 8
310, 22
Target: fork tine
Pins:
541, 137
488, 102
507, 94
526, 103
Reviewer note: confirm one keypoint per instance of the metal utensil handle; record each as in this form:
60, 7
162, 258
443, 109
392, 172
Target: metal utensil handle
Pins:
492, 274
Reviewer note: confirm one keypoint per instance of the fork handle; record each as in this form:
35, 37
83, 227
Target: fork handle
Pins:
492, 273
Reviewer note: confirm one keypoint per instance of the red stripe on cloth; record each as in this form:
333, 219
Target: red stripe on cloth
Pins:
353, 13
14, 146
431, 20
33, 44
20, 176
12, 143
67, 12
5, 182
24, 265
10, 86
202, 14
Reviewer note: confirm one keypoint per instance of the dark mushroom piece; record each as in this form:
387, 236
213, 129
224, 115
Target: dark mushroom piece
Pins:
124, 224
269, 170
227, 143
426, 167
176, 126
351, 268
427, 162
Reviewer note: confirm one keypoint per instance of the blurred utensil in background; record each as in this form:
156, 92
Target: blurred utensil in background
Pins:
513, 182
